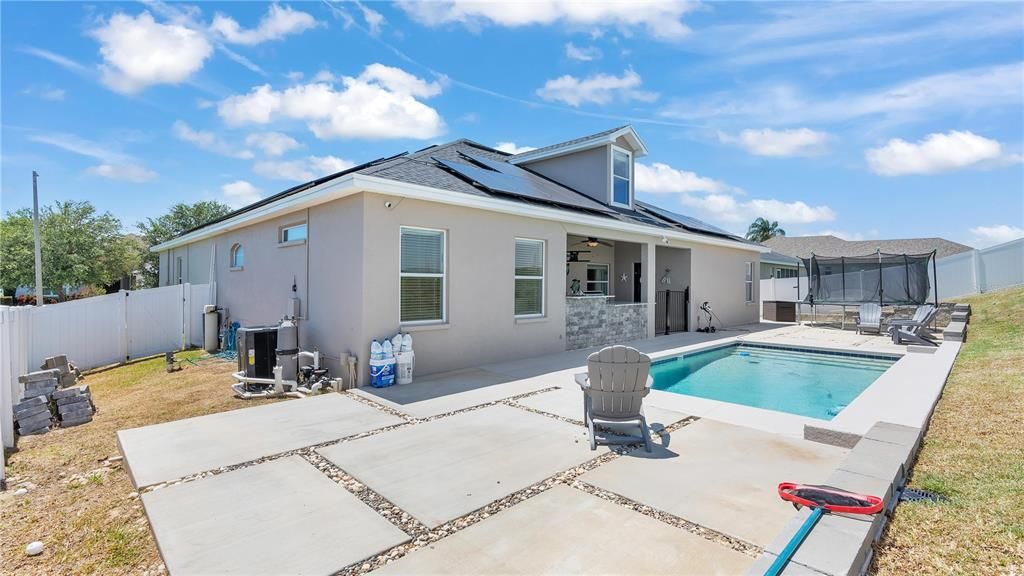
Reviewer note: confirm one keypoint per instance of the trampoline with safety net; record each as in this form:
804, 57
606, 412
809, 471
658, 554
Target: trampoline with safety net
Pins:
885, 279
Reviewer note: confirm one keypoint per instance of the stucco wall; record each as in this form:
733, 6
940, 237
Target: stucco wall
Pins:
626, 255
718, 277
481, 324
346, 276
677, 261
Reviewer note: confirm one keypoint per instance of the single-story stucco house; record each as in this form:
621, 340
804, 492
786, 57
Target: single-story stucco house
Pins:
481, 255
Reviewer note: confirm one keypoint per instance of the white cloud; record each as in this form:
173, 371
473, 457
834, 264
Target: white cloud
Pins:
208, 141
659, 178
768, 142
512, 148
583, 54
278, 22
934, 154
301, 170
719, 200
960, 91
294, 75
985, 236
272, 143
139, 52
846, 235
374, 19
45, 93
661, 19
597, 89
240, 193
62, 61
379, 103
113, 164
125, 172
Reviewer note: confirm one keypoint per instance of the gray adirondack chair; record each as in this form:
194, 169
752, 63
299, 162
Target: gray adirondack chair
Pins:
618, 379
869, 318
915, 330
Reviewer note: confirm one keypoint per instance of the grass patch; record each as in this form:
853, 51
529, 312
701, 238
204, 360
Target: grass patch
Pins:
87, 519
973, 453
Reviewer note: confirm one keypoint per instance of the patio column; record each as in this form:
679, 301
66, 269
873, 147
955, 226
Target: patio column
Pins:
647, 252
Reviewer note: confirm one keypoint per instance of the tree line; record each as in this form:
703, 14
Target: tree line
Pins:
87, 252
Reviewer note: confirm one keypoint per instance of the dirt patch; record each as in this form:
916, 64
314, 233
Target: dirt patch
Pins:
79, 501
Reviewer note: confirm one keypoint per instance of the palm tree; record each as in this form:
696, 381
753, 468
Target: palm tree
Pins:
761, 230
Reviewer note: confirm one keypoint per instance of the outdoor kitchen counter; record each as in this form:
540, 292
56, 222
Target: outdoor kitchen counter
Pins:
600, 320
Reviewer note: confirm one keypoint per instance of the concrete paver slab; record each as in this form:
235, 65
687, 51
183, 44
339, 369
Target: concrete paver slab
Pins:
443, 469
279, 517
720, 476
565, 531
172, 450
568, 403
450, 391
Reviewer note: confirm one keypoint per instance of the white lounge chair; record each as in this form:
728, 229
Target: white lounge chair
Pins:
869, 317
618, 378
915, 330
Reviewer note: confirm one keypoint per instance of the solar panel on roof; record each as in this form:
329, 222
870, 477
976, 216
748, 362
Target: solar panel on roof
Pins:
684, 221
509, 179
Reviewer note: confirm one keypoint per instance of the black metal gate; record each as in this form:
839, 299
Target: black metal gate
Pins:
671, 311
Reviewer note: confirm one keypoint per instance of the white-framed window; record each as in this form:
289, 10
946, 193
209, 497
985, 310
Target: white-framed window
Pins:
529, 277
622, 177
237, 257
597, 278
422, 275
749, 281
293, 233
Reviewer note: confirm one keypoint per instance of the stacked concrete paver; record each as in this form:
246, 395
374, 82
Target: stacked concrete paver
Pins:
50, 398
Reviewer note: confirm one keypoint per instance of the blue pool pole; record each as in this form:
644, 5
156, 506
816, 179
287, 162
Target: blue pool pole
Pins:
776, 568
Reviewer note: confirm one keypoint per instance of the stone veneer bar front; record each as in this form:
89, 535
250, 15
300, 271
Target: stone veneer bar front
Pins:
600, 320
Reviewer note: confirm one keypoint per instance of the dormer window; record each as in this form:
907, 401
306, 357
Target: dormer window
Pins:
622, 177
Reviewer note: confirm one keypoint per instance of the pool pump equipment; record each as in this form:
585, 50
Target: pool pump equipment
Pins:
270, 363
707, 315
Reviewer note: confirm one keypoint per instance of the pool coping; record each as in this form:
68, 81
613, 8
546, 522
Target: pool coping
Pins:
905, 394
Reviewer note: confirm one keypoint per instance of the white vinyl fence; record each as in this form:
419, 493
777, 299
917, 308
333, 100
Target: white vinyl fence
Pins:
959, 275
982, 270
96, 332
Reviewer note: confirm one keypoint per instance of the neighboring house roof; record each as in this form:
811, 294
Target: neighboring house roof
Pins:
577, 144
431, 168
828, 245
774, 257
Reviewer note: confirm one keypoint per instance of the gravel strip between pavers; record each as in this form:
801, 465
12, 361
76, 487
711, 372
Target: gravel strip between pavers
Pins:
422, 536
408, 422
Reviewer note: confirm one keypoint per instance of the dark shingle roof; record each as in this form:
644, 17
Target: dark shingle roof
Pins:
828, 245
422, 168
568, 143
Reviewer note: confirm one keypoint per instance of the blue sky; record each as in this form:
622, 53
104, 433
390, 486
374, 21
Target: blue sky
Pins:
866, 120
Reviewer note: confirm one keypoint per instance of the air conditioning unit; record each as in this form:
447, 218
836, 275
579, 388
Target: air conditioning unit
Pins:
257, 351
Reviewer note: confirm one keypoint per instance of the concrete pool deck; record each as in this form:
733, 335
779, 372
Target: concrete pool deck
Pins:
489, 471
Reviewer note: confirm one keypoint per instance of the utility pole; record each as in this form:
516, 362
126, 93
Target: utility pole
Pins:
39, 250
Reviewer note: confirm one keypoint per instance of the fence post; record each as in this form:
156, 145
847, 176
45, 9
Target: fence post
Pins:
186, 315
125, 344
979, 280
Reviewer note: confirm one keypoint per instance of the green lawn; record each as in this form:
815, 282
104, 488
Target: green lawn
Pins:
973, 454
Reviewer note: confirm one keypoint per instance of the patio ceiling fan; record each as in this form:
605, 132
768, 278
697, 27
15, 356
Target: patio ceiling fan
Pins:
593, 243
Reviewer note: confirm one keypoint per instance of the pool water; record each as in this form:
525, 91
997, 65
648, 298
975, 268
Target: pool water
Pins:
803, 382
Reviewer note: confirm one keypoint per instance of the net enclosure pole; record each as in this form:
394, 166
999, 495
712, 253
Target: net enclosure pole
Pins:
881, 291
842, 270
906, 268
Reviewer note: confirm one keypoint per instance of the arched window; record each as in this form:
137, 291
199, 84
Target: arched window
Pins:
237, 256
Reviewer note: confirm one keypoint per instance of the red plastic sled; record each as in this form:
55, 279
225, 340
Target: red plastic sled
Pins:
830, 499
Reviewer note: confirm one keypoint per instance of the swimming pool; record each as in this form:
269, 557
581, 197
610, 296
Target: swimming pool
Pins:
803, 382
